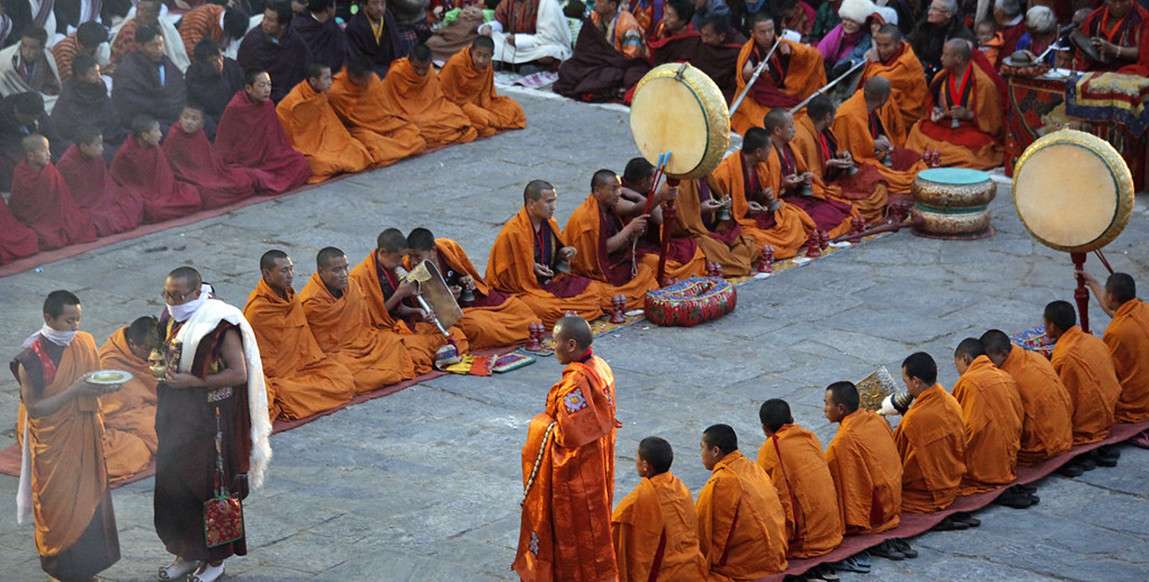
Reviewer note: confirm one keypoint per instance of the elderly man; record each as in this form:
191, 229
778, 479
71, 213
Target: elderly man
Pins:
148, 82
943, 22
276, 48
26, 66
148, 14
1041, 31
893, 59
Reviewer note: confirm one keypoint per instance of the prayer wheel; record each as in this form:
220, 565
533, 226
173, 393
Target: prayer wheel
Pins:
952, 203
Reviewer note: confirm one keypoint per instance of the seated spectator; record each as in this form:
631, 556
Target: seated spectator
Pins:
319, 31
85, 101
274, 47
27, 66
148, 14
211, 81
85, 41
373, 33
219, 22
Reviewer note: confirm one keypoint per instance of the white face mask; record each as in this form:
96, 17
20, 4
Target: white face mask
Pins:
60, 338
181, 313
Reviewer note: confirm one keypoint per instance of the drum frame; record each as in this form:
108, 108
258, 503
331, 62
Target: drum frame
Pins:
717, 130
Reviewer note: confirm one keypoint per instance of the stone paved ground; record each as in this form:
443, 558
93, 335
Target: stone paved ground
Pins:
424, 484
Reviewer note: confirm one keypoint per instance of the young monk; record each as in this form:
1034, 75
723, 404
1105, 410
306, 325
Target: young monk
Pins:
130, 413
111, 208
870, 128
1127, 337
492, 318
195, 161
358, 98
251, 137
469, 82
741, 523
141, 167
337, 314
314, 129
792, 457
655, 527
721, 241
754, 205
16, 240
683, 257
530, 259
390, 302
303, 380
63, 444
414, 91
40, 199
893, 59
795, 71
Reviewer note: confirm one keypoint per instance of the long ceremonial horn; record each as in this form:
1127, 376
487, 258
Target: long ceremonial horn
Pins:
754, 77
799, 106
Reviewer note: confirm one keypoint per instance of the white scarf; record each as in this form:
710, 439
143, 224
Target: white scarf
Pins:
60, 338
181, 313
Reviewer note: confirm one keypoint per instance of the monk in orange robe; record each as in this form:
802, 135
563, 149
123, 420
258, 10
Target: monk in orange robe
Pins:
864, 463
543, 281
337, 314
966, 120
893, 59
794, 72
683, 257
67, 490
568, 469
316, 131
721, 241
491, 318
130, 414
40, 199
304, 380
1127, 337
414, 91
1047, 429
1085, 366
655, 527
755, 206
469, 82
741, 522
931, 442
788, 175
792, 457
835, 170
870, 128
358, 98
992, 415
390, 301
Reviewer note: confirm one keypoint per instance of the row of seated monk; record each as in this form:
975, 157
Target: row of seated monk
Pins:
1010, 407
326, 125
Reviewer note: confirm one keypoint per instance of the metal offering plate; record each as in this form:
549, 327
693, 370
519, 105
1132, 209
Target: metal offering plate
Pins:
873, 389
107, 377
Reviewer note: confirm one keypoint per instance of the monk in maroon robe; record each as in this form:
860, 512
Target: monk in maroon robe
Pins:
111, 208
250, 136
16, 240
195, 161
141, 167
322, 35
41, 200
85, 101
276, 48
212, 80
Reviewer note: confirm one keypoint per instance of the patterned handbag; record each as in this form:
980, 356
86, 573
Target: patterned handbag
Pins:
223, 513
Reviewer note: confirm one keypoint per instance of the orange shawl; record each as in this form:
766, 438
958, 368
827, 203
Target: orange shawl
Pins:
773, 179
866, 190
474, 92
793, 459
931, 442
792, 226
806, 74
741, 523
369, 117
733, 250
1047, 430
908, 87
976, 144
585, 232
1085, 366
420, 99
992, 415
1128, 339
129, 415
867, 471
315, 131
852, 127
655, 532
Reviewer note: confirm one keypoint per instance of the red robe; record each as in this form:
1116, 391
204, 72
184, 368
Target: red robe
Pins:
250, 136
16, 240
111, 208
195, 161
146, 173
41, 200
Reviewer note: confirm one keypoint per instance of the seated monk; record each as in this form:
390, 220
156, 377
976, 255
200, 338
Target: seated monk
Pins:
870, 128
841, 178
302, 378
789, 176
320, 31
275, 48
413, 89
1047, 429
722, 241
130, 414
337, 314
111, 208
148, 82
315, 130
1085, 366
795, 71
212, 81
865, 465
604, 229
718, 53
992, 415
142, 168
655, 527
469, 82
373, 33
529, 31
16, 240
195, 161
609, 56
792, 457
251, 137
1127, 337
544, 281
931, 443
894, 60
85, 101
741, 523
21, 115
358, 98
28, 66
491, 318
764, 218
40, 199
390, 302
1119, 30
683, 256
966, 121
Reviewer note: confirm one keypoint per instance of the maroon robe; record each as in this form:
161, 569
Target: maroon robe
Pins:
719, 63
596, 71
16, 240
251, 137
195, 161
111, 208
146, 173
41, 200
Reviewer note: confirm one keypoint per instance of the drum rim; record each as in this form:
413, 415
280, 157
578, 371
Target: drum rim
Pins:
672, 71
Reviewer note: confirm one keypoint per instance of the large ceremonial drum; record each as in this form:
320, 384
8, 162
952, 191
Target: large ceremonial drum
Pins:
690, 302
952, 203
1073, 191
677, 108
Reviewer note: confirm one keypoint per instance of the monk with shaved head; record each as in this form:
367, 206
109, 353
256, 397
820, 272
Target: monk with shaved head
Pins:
1127, 337
873, 131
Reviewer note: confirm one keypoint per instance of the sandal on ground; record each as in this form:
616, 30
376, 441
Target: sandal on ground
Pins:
966, 518
950, 524
177, 570
904, 547
825, 572
208, 573
852, 564
888, 551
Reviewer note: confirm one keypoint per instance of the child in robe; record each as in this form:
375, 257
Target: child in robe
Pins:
142, 167
41, 201
85, 172
195, 161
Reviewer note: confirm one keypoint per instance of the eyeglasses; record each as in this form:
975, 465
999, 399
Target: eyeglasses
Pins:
173, 297
936, 9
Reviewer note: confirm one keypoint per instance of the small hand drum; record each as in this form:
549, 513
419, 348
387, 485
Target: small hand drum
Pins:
677, 108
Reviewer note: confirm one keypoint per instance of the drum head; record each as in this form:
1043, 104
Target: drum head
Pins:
1073, 191
684, 114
